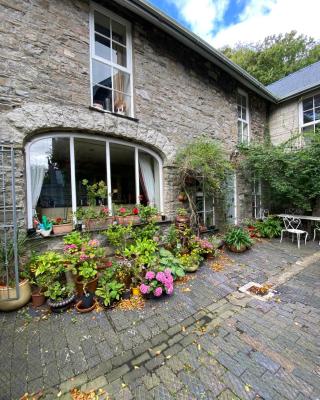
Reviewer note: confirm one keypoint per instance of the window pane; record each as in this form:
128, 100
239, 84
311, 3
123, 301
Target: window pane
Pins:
122, 174
245, 133
317, 100
118, 32
102, 47
244, 114
308, 116
239, 131
101, 73
317, 113
122, 103
239, 102
90, 164
50, 178
149, 180
121, 81
119, 54
239, 112
308, 103
102, 98
101, 24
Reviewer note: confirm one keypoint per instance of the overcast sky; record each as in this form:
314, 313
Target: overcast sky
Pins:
226, 22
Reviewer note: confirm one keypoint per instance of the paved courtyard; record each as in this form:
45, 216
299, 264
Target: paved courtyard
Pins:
207, 341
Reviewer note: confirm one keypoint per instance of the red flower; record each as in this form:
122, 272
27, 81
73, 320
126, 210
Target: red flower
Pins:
135, 211
108, 264
59, 220
122, 210
105, 210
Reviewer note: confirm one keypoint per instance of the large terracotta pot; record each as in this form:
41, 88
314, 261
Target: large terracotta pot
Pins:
91, 286
7, 293
62, 229
38, 299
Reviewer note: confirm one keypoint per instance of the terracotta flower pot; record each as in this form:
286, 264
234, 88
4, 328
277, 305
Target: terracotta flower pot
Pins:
98, 223
91, 286
132, 219
38, 299
62, 229
10, 293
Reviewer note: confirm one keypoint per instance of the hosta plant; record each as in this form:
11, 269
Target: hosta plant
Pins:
238, 239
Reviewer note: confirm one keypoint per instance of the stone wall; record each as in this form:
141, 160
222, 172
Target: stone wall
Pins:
45, 85
284, 121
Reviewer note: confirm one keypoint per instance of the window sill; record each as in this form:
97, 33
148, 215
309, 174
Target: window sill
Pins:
112, 113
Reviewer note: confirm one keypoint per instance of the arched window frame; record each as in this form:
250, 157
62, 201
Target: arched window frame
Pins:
108, 141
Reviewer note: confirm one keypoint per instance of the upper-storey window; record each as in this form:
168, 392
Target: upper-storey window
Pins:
243, 117
310, 119
111, 62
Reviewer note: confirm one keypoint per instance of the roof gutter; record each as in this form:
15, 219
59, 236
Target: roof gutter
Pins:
167, 24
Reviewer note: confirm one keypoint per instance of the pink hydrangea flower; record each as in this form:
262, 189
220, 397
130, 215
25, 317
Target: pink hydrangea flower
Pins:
158, 292
70, 247
170, 289
161, 277
83, 257
150, 275
144, 289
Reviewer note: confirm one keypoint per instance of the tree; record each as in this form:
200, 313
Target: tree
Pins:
276, 56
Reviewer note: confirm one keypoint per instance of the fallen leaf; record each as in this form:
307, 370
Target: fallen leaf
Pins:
186, 290
168, 357
136, 367
59, 394
247, 387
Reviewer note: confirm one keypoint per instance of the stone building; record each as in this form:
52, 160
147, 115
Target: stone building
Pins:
110, 91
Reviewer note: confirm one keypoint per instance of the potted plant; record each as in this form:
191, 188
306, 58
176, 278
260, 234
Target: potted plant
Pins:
45, 227
191, 261
87, 279
118, 236
61, 226
109, 289
61, 296
87, 303
157, 283
149, 213
122, 216
134, 217
182, 218
237, 239
44, 269
8, 293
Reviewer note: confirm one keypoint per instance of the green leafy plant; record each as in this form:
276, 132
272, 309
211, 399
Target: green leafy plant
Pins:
147, 212
95, 191
58, 291
190, 261
238, 237
109, 291
8, 257
118, 236
50, 264
142, 251
269, 228
145, 232
168, 260
75, 238
182, 212
87, 271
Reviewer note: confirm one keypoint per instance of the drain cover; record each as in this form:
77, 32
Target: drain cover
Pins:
265, 297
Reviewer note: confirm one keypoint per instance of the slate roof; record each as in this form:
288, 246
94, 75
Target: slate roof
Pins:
297, 82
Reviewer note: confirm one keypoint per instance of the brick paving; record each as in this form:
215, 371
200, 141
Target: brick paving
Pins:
207, 341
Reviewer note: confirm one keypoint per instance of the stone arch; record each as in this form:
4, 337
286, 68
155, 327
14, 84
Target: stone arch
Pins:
25, 122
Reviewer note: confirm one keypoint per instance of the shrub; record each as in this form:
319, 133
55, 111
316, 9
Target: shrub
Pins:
269, 228
238, 237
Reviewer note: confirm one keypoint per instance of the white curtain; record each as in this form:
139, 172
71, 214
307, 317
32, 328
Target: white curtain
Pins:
37, 176
145, 164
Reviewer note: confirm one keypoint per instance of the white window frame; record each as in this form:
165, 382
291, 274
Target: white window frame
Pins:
243, 121
107, 141
313, 123
256, 197
102, 10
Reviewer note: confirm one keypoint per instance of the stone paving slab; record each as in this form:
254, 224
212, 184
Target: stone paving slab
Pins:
206, 343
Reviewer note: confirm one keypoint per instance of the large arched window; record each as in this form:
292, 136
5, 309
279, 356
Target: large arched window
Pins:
57, 164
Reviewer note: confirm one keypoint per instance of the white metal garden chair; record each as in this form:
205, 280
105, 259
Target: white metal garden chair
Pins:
317, 228
291, 225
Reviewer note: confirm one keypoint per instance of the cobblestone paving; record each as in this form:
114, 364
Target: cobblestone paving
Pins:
207, 341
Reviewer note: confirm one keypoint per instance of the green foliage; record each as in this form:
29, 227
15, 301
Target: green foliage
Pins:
50, 264
182, 212
168, 260
118, 236
238, 238
269, 228
204, 160
147, 231
95, 191
292, 175
9, 256
87, 271
142, 251
190, 262
75, 238
58, 291
147, 212
109, 290
276, 56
